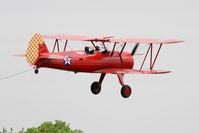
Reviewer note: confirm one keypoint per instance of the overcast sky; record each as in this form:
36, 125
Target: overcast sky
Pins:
159, 103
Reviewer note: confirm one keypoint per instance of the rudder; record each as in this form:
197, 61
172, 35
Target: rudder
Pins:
35, 47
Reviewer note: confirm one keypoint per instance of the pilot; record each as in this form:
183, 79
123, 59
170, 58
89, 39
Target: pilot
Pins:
89, 50
97, 48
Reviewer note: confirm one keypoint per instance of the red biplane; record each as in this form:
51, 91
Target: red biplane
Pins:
95, 59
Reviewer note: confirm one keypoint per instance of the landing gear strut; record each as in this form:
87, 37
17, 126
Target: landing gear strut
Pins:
126, 89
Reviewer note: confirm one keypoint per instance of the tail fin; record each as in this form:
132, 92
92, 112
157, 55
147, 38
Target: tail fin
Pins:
35, 47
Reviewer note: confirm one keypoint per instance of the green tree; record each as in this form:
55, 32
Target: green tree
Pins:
49, 127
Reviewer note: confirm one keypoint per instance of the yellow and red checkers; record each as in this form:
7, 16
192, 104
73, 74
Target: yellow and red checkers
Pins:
32, 52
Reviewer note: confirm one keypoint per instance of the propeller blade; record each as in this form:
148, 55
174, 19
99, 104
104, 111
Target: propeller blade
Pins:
134, 49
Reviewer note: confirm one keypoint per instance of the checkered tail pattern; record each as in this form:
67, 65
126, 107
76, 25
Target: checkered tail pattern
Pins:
32, 51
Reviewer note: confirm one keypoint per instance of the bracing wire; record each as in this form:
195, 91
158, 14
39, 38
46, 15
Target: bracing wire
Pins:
140, 50
15, 74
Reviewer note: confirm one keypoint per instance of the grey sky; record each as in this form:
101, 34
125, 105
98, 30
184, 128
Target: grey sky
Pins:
159, 103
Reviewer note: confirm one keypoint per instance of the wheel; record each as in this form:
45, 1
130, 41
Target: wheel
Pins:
36, 71
95, 87
126, 91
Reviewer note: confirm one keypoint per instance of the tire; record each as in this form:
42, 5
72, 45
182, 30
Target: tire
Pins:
126, 91
36, 71
95, 88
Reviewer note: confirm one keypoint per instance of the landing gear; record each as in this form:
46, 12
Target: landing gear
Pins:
36, 71
126, 91
95, 88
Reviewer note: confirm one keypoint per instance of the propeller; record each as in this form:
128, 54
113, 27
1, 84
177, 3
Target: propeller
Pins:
134, 49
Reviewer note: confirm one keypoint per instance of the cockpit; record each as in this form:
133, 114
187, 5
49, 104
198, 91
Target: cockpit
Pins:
91, 50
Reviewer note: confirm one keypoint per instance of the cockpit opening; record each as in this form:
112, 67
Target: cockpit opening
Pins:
89, 50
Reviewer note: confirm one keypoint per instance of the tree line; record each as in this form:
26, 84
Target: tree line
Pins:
46, 127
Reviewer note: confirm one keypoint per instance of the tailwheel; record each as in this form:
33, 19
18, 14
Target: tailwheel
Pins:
126, 91
95, 87
36, 71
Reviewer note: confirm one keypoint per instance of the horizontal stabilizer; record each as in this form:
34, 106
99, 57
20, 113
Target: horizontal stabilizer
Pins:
19, 55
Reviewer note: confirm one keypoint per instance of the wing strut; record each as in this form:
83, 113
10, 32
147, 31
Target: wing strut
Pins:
151, 56
93, 44
156, 56
66, 42
122, 48
56, 44
104, 46
152, 62
113, 49
145, 57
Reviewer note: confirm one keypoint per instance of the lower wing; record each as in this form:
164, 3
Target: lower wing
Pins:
131, 71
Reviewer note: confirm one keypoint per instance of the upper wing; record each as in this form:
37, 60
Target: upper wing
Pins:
112, 39
131, 71
65, 37
144, 40
77, 38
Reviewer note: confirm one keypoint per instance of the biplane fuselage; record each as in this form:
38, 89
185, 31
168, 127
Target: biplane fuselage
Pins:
95, 59
80, 61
